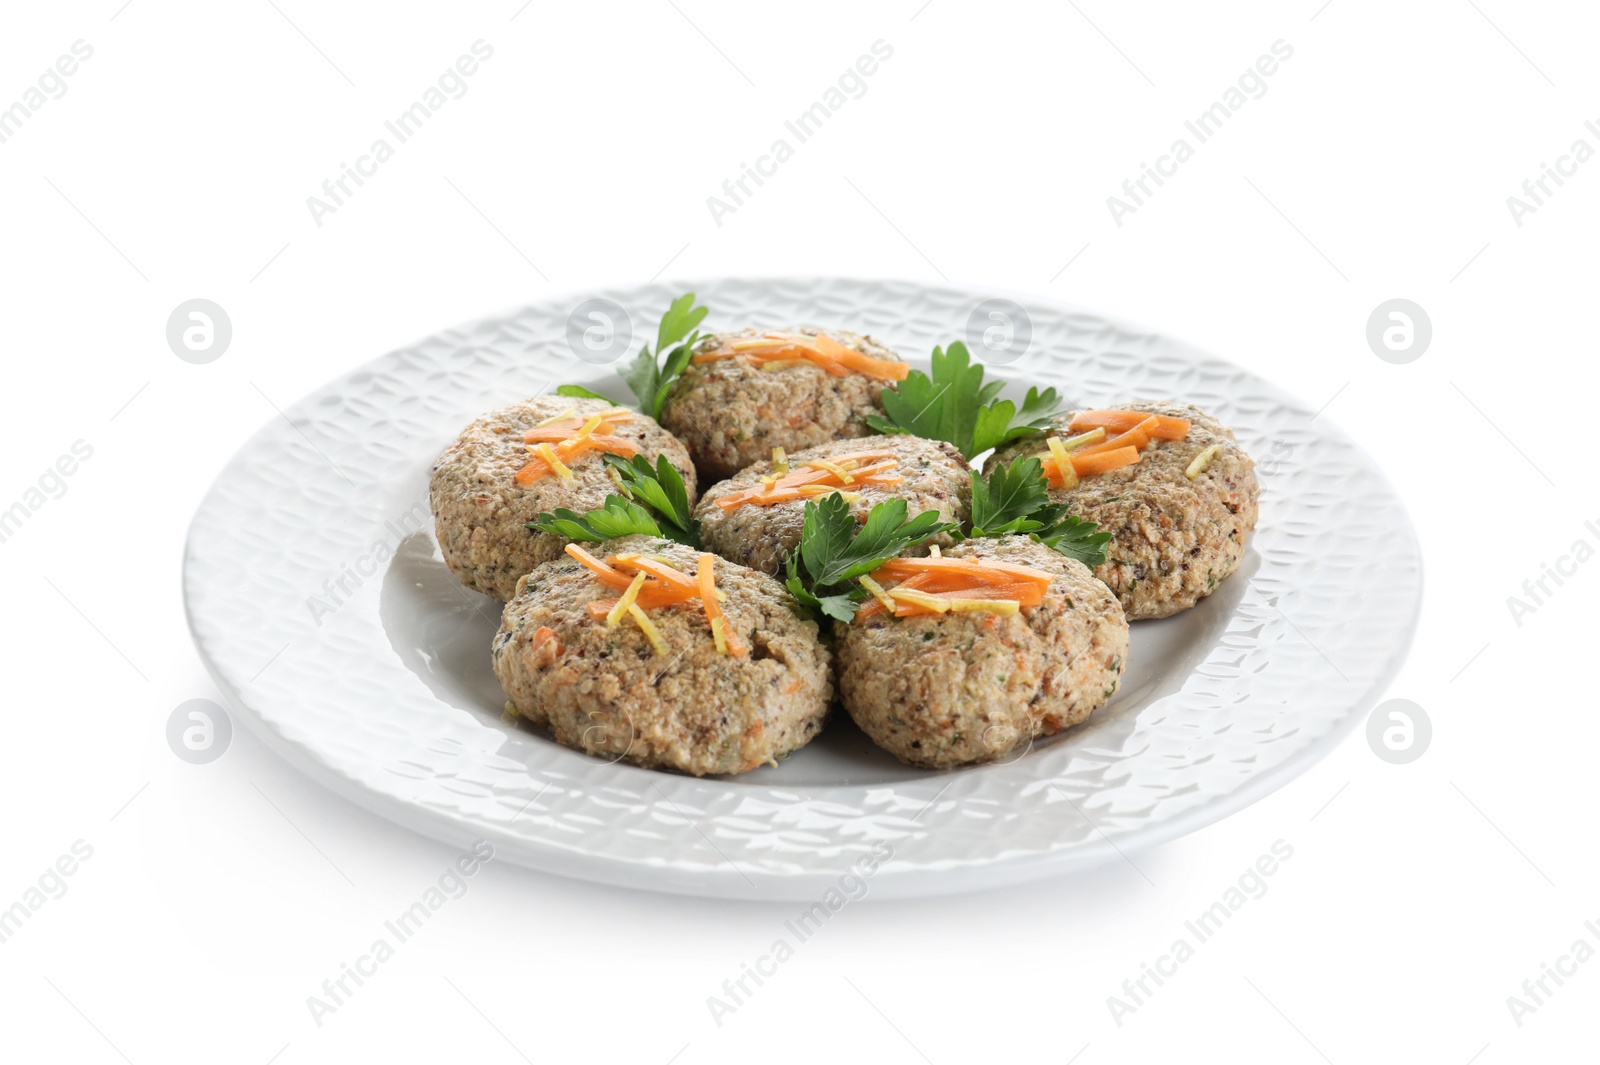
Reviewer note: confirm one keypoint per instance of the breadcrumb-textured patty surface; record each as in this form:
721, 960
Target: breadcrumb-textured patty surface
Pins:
608, 692
731, 412
957, 689
1173, 539
480, 511
935, 477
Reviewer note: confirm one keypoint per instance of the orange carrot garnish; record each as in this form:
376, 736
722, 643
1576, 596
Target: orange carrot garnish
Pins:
572, 437
659, 570
820, 351
1104, 461
708, 597
605, 574
1139, 436
850, 358
965, 583
1120, 421
973, 569
842, 472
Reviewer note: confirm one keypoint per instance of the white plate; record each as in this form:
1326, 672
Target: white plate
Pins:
384, 691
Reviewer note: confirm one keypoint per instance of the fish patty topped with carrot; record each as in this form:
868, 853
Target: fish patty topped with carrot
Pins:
756, 517
745, 393
513, 464
1168, 482
972, 656
654, 653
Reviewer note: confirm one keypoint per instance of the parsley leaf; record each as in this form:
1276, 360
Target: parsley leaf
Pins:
1070, 535
648, 376
834, 552
618, 518
1000, 423
1016, 501
579, 392
654, 502
1010, 499
661, 488
955, 405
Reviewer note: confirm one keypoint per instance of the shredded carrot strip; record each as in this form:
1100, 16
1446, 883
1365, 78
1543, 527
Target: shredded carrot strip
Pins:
1089, 463
572, 435
774, 347
614, 445
1104, 461
720, 624
615, 414
818, 477
773, 341
948, 585
1059, 455
604, 573
1093, 436
553, 461
629, 597
649, 629
1120, 421
850, 358
1027, 594
980, 569
960, 603
1138, 436
654, 583
916, 582
659, 570
575, 424
991, 607
915, 600
649, 599
535, 470
561, 436
820, 351
1202, 462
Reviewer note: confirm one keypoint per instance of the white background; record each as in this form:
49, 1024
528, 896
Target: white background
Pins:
1377, 165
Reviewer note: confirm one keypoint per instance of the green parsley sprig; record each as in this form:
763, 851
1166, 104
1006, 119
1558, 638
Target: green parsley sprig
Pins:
834, 551
955, 405
652, 373
649, 377
660, 488
618, 518
654, 501
579, 392
1015, 500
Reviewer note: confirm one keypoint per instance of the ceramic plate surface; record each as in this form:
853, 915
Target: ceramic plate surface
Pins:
319, 602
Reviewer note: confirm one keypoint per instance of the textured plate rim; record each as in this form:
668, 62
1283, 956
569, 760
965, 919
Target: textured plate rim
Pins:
930, 878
